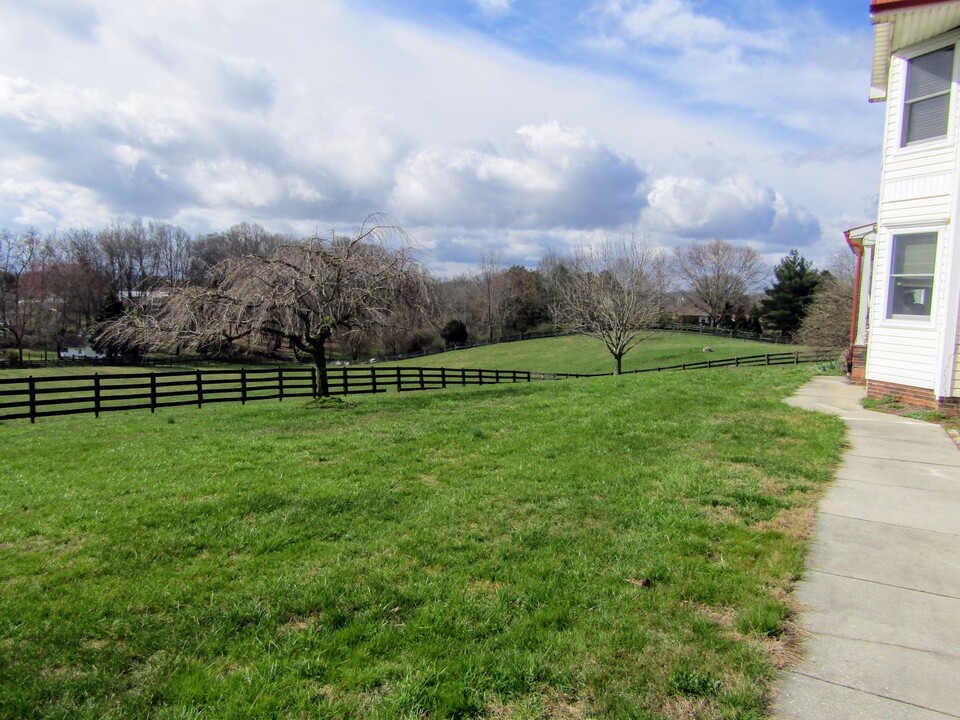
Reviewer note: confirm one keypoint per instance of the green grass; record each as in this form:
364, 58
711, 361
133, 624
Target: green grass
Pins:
608, 548
577, 354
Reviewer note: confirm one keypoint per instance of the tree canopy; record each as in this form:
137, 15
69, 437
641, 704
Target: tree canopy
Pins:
787, 299
718, 275
613, 291
302, 292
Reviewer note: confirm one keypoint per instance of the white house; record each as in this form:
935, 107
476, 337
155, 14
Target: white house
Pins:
76, 347
907, 320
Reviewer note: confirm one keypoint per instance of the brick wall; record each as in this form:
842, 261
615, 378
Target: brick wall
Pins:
950, 405
858, 366
912, 396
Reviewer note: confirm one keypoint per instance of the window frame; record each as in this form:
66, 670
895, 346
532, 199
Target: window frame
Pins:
905, 104
893, 275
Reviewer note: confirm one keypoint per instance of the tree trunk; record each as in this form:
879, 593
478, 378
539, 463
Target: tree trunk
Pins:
619, 359
318, 350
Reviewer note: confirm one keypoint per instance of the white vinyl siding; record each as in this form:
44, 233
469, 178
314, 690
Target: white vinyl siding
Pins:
956, 365
919, 193
902, 356
902, 351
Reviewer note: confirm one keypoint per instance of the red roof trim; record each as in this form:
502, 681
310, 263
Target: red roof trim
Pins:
884, 5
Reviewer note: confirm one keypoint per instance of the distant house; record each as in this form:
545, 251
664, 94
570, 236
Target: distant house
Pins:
76, 347
682, 310
905, 330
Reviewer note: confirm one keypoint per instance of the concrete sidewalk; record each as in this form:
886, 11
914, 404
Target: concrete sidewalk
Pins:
881, 591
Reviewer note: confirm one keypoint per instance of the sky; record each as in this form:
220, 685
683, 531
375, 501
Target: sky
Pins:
513, 126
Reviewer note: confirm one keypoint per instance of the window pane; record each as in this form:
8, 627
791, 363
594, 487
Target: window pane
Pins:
926, 119
914, 254
911, 296
911, 275
930, 73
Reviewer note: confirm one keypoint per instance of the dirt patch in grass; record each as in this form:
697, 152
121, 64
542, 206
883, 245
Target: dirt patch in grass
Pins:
554, 705
783, 649
486, 587
724, 617
685, 708
722, 514
795, 522
295, 625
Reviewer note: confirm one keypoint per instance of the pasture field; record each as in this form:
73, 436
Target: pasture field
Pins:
577, 354
602, 548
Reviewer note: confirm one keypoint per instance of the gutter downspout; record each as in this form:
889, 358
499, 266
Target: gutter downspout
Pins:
857, 247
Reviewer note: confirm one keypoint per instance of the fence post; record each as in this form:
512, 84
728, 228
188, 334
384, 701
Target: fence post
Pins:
496, 376
346, 381
768, 358
243, 386
33, 398
463, 376
399, 380
736, 361
797, 358
528, 376
199, 389
443, 378
153, 392
96, 396
280, 383
420, 376
373, 379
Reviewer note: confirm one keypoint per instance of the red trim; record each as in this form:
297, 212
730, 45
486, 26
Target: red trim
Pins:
855, 313
883, 5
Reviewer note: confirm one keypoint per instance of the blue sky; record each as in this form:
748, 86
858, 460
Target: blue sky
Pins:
516, 125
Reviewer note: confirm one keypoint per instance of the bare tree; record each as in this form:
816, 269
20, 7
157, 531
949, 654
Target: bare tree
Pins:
613, 291
302, 292
718, 275
239, 240
83, 276
489, 282
827, 322
173, 248
20, 285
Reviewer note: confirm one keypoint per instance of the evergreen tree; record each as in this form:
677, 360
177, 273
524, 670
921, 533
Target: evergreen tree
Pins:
787, 299
454, 333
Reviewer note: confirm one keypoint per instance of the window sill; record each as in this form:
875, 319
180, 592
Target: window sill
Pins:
925, 146
908, 322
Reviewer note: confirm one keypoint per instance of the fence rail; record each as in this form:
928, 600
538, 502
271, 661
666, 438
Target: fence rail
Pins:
36, 397
199, 360
725, 333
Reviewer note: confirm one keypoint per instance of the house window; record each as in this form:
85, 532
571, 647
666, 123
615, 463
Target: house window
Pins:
911, 275
927, 105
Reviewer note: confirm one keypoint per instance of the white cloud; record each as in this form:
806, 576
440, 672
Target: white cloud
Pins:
783, 66
736, 208
308, 114
551, 176
494, 7
673, 24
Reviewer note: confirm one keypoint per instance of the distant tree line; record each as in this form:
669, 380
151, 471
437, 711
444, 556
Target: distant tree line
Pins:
249, 290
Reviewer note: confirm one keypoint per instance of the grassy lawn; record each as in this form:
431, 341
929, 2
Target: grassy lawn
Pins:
608, 548
576, 354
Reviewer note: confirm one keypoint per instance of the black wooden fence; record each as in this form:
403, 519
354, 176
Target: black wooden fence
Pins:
35, 397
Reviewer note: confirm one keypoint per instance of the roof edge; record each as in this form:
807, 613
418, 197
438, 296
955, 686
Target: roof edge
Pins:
879, 6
